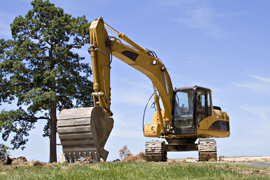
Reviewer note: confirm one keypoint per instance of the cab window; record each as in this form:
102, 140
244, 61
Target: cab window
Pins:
183, 109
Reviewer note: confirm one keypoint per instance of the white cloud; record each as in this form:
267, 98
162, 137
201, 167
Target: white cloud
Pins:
258, 84
201, 18
198, 14
263, 79
255, 123
263, 113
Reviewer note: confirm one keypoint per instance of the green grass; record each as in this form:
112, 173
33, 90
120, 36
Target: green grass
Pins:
125, 170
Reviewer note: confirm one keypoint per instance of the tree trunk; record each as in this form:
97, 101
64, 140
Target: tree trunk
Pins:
53, 155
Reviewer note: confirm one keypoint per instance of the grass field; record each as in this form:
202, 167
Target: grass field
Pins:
125, 170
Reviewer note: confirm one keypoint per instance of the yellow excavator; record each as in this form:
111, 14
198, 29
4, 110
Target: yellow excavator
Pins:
188, 112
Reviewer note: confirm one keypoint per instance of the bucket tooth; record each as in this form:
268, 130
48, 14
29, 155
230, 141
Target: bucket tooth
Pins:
84, 132
104, 154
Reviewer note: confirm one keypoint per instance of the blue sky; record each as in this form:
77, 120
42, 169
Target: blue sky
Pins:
223, 45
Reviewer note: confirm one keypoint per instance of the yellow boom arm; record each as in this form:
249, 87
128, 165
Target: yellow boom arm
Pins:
139, 58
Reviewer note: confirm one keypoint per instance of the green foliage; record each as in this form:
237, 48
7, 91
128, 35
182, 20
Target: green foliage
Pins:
64, 164
40, 70
127, 170
3, 151
56, 164
17, 122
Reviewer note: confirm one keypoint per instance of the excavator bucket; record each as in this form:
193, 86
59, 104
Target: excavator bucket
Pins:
83, 132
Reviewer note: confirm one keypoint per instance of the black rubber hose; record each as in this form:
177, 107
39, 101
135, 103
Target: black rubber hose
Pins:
145, 110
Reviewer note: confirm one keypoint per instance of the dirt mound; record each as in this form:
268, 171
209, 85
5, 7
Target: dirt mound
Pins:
35, 163
14, 161
6, 160
19, 161
126, 155
138, 157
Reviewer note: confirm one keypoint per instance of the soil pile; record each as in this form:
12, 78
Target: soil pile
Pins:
138, 157
19, 161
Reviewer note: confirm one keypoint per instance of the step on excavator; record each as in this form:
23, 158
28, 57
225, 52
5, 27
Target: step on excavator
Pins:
188, 114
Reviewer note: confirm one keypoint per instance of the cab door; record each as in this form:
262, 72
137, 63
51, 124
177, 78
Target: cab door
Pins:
183, 112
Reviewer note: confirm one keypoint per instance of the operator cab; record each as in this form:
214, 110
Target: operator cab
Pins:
190, 106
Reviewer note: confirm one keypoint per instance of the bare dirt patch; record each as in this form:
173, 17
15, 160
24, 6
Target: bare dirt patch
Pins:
245, 170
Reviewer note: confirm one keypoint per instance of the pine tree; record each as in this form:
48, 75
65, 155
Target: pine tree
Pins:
41, 72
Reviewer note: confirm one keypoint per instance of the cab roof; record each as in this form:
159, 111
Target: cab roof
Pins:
190, 88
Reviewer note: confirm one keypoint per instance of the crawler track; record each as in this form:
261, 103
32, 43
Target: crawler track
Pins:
154, 151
